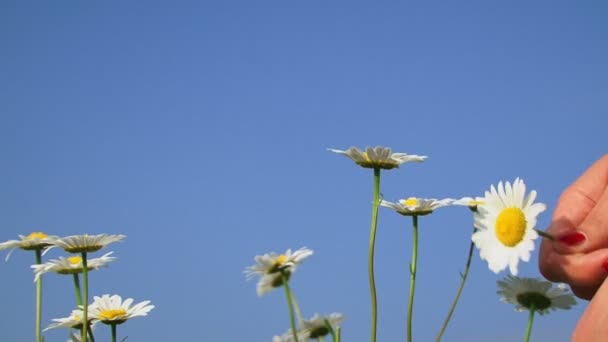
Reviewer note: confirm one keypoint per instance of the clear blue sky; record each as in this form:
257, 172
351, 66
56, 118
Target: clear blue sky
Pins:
199, 129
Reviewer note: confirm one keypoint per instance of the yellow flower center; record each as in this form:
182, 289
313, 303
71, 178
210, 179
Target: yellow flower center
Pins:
75, 260
36, 235
77, 318
410, 202
281, 259
510, 226
111, 314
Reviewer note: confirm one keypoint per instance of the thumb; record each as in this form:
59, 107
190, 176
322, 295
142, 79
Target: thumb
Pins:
593, 325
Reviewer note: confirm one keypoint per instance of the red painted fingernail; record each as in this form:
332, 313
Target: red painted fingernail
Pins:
572, 239
605, 265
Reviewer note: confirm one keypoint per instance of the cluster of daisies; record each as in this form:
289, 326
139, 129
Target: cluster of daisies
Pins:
504, 222
108, 309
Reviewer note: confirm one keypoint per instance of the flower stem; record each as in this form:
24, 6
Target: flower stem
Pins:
113, 332
290, 305
338, 333
410, 307
331, 330
85, 307
530, 323
458, 293
372, 242
77, 290
38, 299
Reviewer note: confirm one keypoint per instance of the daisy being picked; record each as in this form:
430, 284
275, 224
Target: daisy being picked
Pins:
505, 225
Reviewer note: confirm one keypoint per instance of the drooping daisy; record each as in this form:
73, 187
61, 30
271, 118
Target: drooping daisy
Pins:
272, 267
378, 157
534, 294
470, 202
34, 241
416, 206
87, 243
317, 326
71, 265
74, 321
505, 225
113, 310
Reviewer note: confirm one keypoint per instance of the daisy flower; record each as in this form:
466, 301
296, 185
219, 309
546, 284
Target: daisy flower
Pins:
505, 225
378, 157
71, 265
534, 294
113, 310
416, 206
470, 202
272, 267
288, 336
74, 321
34, 241
86, 243
317, 326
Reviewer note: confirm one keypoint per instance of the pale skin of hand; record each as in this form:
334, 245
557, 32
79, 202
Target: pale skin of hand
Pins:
582, 210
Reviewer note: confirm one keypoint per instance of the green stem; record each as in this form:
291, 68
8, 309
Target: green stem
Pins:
113, 332
85, 307
410, 307
338, 333
372, 242
458, 293
290, 305
77, 290
90, 330
530, 322
39, 299
331, 330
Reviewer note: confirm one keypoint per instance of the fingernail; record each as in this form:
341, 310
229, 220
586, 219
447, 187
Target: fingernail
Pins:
605, 265
572, 239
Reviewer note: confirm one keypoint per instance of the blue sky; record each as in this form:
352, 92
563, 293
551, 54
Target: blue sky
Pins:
199, 129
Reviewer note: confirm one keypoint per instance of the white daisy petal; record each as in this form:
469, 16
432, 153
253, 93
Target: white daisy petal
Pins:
112, 310
378, 157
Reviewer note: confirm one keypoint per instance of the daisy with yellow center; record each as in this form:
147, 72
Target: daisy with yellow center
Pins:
416, 206
74, 321
112, 310
505, 225
534, 295
378, 157
270, 267
71, 265
36, 241
87, 243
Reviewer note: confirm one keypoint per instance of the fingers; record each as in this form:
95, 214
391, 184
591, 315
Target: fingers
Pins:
580, 221
584, 272
593, 325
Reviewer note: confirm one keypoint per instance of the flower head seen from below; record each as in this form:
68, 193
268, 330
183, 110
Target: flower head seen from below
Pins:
534, 294
31, 242
416, 206
317, 326
113, 310
505, 225
74, 321
87, 243
288, 336
272, 267
378, 157
470, 202
71, 265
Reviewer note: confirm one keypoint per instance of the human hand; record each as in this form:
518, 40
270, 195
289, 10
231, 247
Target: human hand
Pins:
579, 255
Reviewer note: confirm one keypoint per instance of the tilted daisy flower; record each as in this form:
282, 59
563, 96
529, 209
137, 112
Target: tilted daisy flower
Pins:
86, 243
113, 310
74, 321
317, 326
535, 294
34, 241
272, 267
288, 337
71, 265
470, 202
416, 206
505, 225
378, 157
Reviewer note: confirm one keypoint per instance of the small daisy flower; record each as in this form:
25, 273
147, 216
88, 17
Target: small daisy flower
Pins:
71, 265
32, 242
317, 326
271, 268
470, 202
505, 225
113, 310
378, 157
534, 294
87, 243
416, 206
74, 321
288, 336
